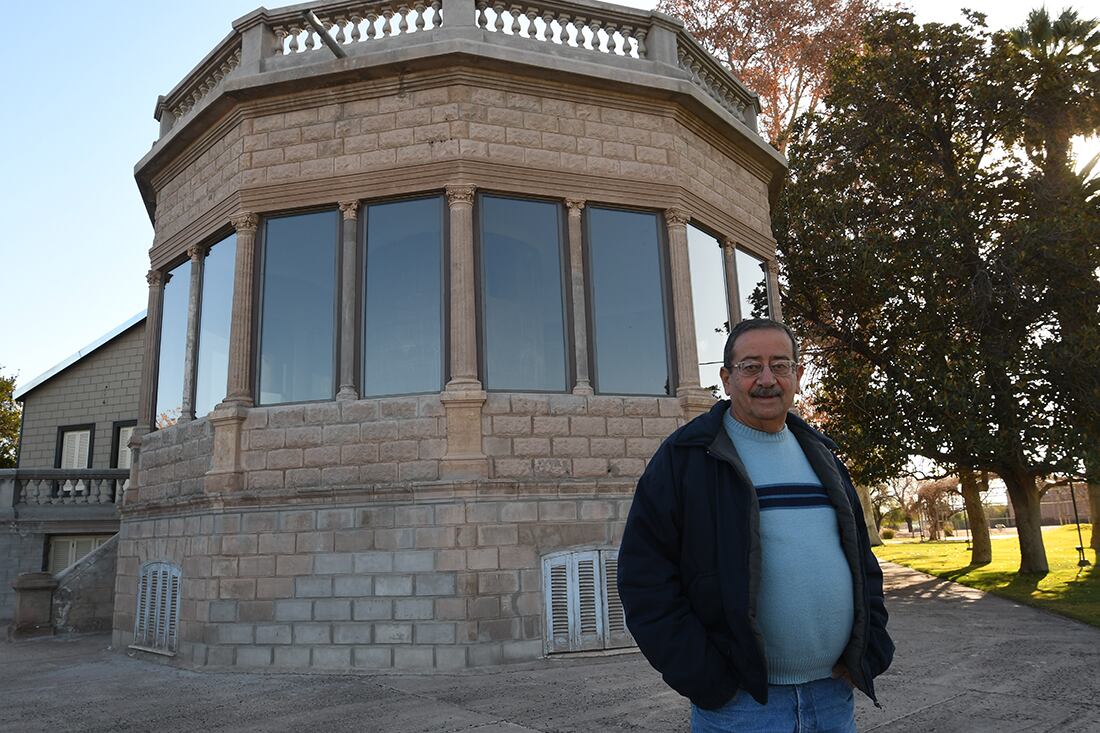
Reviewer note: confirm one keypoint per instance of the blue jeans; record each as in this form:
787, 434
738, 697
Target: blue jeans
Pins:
821, 706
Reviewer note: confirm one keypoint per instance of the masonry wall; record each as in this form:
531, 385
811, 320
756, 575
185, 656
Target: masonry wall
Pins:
100, 388
85, 596
23, 550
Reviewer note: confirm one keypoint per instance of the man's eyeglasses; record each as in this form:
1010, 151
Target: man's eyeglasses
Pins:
783, 368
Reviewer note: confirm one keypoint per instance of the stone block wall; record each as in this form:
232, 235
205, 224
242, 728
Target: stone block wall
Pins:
100, 388
84, 599
173, 461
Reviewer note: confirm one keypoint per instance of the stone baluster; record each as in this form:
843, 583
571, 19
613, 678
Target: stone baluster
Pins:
693, 398
463, 396
583, 385
733, 292
771, 270
197, 253
349, 269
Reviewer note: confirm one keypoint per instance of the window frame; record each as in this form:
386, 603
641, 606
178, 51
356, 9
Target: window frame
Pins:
164, 271
360, 342
116, 434
665, 278
565, 280
208, 244
61, 430
259, 272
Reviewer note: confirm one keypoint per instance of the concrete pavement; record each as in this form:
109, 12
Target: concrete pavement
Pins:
966, 662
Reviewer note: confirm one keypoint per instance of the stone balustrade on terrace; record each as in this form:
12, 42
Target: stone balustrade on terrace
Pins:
24, 489
620, 39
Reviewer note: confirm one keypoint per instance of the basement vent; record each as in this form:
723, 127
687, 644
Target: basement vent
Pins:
583, 610
156, 623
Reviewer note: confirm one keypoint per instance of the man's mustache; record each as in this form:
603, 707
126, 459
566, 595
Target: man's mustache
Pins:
766, 392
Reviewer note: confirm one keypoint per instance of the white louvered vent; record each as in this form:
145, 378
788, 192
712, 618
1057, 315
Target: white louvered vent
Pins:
156, 622
583, 610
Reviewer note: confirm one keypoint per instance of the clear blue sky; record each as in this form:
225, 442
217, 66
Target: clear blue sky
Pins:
78, 115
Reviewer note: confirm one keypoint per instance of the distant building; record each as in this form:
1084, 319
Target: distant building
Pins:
74, 459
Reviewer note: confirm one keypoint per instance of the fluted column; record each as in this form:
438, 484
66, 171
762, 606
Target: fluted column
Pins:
197, 253
463, 396
771, 270
239, 383
155, 278
693, 398
733, 290
349, 269
583, 384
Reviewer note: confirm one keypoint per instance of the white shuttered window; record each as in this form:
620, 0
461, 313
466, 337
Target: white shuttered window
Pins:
122, 460
583, 610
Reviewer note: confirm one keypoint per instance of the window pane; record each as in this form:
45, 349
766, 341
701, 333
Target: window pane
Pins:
173, 338
628, 320
298, 318
217, 310
403, 324
521, 285
752, 286
708, 300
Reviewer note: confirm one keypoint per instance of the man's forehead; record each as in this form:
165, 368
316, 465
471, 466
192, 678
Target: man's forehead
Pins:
763, 343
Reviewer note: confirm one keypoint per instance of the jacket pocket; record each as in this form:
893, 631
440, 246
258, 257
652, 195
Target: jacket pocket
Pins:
705, 596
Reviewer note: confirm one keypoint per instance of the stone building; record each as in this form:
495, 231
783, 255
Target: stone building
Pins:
59, 503
427, 289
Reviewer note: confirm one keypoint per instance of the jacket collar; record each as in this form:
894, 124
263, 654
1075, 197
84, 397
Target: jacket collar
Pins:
702, 430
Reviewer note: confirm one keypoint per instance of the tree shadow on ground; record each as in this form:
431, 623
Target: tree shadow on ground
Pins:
954, 575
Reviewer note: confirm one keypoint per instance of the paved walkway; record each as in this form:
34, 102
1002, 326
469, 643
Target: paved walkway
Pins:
966, 662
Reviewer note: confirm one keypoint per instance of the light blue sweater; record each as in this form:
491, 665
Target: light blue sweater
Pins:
804, 607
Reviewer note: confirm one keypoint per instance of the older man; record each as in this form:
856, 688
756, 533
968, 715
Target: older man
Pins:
745, 569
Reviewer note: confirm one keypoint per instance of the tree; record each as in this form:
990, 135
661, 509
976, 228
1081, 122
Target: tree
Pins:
779, 48
910, 262
1057, 65
10, 413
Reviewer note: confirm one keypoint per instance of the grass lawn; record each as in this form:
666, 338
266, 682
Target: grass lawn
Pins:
1066, 589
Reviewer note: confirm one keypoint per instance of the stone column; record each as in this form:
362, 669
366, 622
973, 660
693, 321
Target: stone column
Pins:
693, 398
733, 290
151, 354
463, 396
228, 417
197, 253
771, 271
239, 383
583, 385
349, 269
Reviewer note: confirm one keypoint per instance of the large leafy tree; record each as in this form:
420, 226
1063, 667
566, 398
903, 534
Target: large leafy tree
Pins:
1057, 70
912, 265
9, 423
779, 48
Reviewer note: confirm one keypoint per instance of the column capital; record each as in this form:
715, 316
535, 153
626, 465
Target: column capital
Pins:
727, 243
197, 251
349, 209
245, 222
677, 216
770, 266
460, 195
155, 278
575, 205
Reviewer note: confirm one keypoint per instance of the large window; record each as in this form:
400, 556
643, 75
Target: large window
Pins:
627, 303
708, 302
403, 319
521, 295
298, 308
173, 341
217, 311
752, 286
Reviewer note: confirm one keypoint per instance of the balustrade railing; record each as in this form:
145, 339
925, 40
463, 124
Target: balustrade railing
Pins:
47, 487
602, 28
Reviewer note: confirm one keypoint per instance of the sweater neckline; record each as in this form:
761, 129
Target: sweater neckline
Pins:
738, 429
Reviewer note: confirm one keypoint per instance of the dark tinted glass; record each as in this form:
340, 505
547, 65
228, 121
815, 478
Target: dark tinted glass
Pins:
521, 287
217, 310
297, 321
173, 338
628, 321
708, 303
403, 324
752, 286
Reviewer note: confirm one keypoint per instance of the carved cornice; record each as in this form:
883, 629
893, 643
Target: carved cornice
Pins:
155, 278
350, 209
575, 206
245, 222
678, 217
460, 195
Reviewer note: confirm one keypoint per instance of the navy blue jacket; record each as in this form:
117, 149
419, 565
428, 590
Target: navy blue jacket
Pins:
689, 565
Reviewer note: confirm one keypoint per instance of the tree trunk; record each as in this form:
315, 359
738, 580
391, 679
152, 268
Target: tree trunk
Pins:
868, 516
909, 523
981, 551
1024, 495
